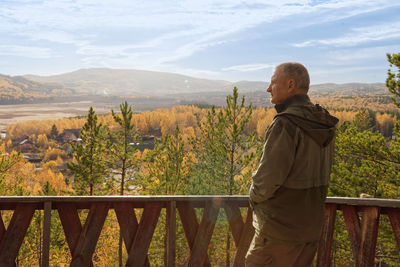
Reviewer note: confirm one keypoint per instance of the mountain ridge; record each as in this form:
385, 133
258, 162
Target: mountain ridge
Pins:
127, 82
142, 83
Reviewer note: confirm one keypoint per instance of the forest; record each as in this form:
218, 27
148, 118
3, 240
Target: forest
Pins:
189, 150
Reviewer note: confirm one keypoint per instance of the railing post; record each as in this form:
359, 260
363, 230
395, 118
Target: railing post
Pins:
324, 255
171, 234
46, 233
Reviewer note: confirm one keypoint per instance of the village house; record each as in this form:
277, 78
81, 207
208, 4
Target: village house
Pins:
69, 135
23, 144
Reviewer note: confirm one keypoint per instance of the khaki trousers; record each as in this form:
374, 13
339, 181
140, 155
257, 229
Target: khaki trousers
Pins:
270, 253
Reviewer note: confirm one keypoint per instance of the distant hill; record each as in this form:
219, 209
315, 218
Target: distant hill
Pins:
85, 84
20, 85
349, 89
102, 81
17, 89
131, 82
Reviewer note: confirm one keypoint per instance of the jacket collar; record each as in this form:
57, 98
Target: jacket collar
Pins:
296, 100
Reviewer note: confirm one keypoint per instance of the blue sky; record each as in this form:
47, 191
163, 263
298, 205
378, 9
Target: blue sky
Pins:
338, 40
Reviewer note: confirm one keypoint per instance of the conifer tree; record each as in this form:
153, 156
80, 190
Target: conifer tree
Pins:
53, 132
122, 148
7, 162
393, 79
238, 143
167, 166
225, 153
89, 166
210, 168
364, 120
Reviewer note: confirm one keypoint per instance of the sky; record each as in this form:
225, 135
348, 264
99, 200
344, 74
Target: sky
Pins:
337, 40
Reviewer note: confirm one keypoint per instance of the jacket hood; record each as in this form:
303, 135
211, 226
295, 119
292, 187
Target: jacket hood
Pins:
314, 120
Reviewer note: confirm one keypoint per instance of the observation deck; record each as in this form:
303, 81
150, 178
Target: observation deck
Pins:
361, 217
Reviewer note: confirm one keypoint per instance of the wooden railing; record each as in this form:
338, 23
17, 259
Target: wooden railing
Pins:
137, 232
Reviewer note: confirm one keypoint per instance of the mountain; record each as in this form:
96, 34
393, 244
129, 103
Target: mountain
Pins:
85, 84
17, 89
102, 81
21, 85
348, 89
131, 82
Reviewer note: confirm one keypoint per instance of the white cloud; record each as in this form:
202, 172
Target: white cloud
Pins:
358, 56
359, 35
167, 31
248, 67
26, 51
190, 71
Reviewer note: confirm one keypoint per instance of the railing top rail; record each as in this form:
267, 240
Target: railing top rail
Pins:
376, 202
125, 198
395, 203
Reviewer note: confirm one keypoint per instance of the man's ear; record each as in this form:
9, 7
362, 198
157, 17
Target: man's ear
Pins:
291, 85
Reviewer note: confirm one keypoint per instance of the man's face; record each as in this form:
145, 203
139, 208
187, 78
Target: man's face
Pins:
279, 87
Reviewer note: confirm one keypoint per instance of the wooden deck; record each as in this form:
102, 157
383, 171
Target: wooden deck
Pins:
137, 232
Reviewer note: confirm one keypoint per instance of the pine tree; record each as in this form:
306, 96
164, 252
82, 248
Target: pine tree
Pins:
365, 120
89, 166
393, 79
225, 153
122, 148
239, 144
7, 162
167, 166
53, 132
209, 171
365, 162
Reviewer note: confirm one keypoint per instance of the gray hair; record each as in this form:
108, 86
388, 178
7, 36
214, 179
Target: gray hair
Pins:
298, 72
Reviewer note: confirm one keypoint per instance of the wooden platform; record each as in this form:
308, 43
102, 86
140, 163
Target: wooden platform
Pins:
137, 233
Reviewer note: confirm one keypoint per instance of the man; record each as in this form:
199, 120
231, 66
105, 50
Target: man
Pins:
290, 185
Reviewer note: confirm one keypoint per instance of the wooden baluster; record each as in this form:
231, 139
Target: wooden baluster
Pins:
394, 216
138, 250
245, 240
71, 224
369, 236
235, 221
324, 256
82, 240
353, 227
128, 224
15, 233
190, 225
203, 235
89, 236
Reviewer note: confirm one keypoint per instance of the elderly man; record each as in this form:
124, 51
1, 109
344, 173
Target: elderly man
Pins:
290, 185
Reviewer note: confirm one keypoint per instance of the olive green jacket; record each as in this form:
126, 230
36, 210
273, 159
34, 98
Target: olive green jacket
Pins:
290, 185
